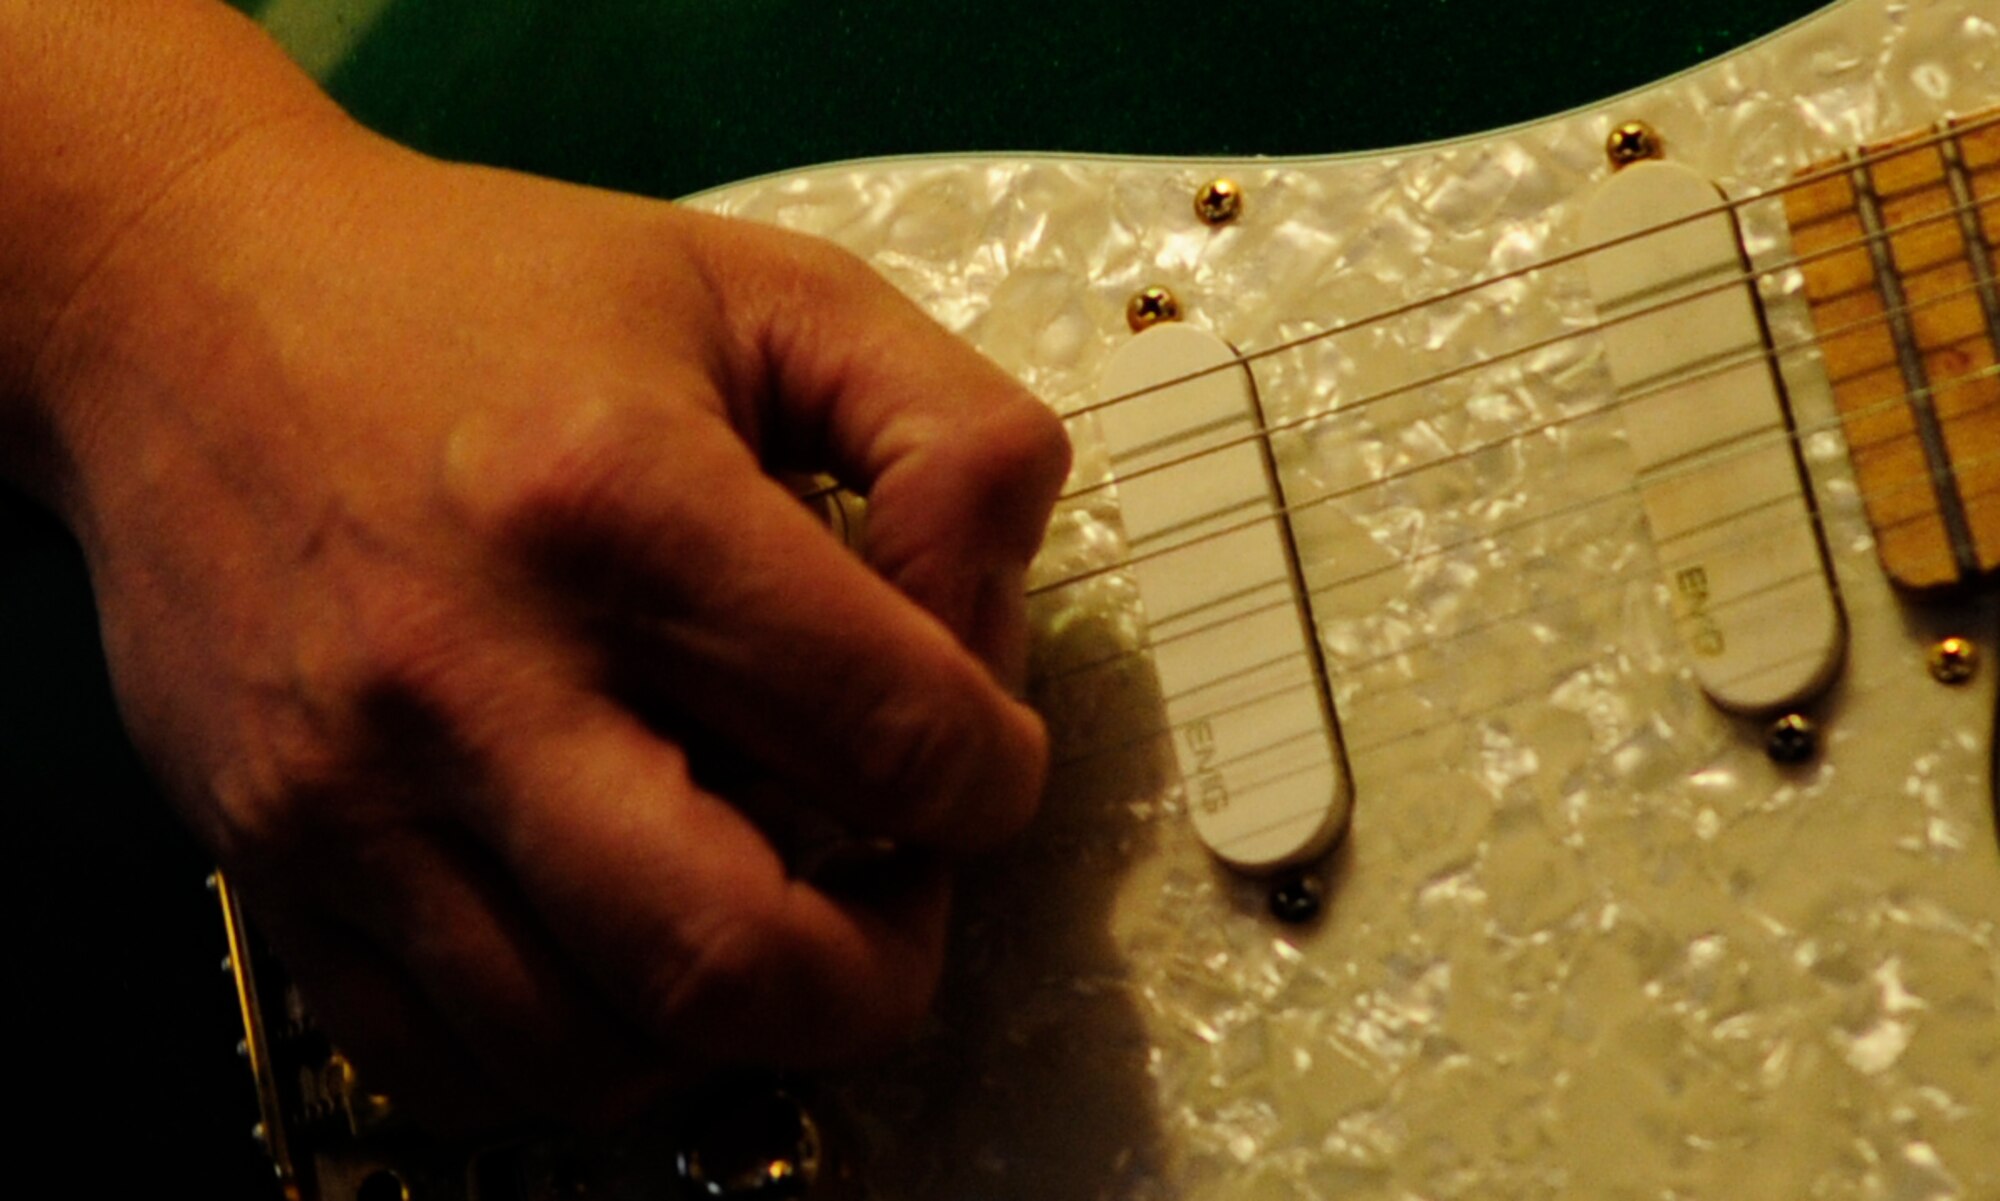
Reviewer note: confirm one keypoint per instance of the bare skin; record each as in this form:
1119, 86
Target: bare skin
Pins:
448, 589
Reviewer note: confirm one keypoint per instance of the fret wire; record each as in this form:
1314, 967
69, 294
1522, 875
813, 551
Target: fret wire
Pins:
1978, 252
1916, 376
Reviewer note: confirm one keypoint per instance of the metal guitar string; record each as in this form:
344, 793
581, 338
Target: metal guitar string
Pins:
1362, 404
1572, 510
1742, 278
1567, 511
1708, 458
1743, 445
1439, 645
1637, 575
1728, 206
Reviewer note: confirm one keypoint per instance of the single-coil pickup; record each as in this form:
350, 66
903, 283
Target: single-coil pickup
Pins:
1718, 468
1229, 620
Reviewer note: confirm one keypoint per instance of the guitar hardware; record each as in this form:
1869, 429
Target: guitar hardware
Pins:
1718, 472
1791, 740
1585, 939
1297, 900
753, 1143
1218, 202
1228, 612
1954, 660
1150, 307
382, 1185
1633, 142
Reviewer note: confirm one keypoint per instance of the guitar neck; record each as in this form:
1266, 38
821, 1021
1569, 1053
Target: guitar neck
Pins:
1897, 248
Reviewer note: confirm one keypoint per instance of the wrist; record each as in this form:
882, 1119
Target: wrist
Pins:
128, 134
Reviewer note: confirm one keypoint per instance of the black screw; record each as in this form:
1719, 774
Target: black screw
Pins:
1296, 900
1792, 739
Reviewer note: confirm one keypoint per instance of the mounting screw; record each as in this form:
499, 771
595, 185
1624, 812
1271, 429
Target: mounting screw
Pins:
1633, 142
1954, 660
1792, 739
1150, 307
258, 1135
752, 1144
1296, 900
228, 966
382, 1185
211, 882
1218, 202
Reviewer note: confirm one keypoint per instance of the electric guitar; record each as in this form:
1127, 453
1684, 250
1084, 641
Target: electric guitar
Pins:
1520, 647
1669, 867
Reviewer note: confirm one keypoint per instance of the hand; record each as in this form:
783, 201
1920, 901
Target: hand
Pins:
448, 590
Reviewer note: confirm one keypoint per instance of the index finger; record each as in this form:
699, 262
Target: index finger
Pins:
961, 464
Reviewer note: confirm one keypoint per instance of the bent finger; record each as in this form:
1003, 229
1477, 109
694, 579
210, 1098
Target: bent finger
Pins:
960, 463
729, 614
685, 916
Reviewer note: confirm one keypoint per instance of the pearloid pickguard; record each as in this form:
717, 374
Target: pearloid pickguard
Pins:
1584, 939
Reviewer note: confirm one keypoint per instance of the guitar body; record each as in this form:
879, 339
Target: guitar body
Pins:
1583, 937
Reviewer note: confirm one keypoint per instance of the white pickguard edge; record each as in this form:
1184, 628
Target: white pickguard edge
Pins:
1583, 940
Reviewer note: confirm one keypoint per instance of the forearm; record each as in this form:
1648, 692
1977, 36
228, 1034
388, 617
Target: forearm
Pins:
107, 107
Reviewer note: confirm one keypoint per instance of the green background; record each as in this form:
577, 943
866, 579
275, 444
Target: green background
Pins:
127, 1024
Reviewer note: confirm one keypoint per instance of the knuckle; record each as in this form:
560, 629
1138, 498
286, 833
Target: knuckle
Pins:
328, 751
271, 795
724, 1000
553, 473
721, 977
917, 749
1008, 461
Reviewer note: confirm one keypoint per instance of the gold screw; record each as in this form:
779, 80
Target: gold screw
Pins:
1953, 660
1150, 307
1218, 202
1633, 142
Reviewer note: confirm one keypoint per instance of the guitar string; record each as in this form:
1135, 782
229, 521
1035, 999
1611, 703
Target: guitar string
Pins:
1360, 405
1642, 573
1728, 206
1609, 407
1720, 454
1747, 277
1770, 353
1701, 462
1645, 571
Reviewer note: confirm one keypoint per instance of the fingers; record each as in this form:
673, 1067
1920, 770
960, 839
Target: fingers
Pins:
731, 618
446, 986
961, 465
386, 1025
679, 910
600, 929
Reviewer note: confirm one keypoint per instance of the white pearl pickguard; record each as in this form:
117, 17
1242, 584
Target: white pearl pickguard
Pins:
1583, 939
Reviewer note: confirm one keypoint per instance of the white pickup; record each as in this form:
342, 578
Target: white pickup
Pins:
1228, 617
1718, 470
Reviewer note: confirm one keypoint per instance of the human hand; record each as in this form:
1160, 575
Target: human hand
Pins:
448, 591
